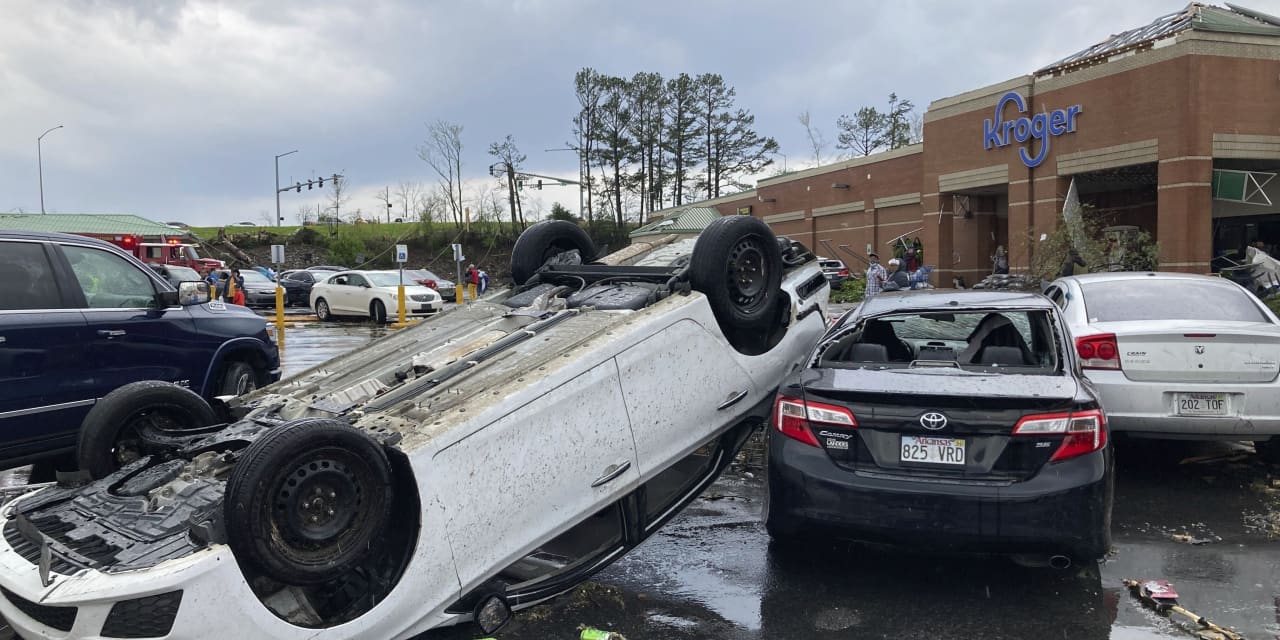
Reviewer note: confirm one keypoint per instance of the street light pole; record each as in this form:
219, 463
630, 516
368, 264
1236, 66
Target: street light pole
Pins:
278, 185
40, 164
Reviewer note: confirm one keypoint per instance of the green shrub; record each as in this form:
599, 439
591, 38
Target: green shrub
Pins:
344, 249
851, 290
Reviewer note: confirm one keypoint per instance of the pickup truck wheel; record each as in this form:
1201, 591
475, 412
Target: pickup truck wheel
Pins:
238, 378
308, 500
135, 420
378, 312
737, 264
322, 310
543, 241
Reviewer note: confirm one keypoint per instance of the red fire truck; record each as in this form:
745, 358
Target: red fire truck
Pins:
160, 251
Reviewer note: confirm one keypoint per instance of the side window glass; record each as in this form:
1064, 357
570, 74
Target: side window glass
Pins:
666, 489
579, 546
356, 281
109, 281
28, 278
1055, 294
339, 280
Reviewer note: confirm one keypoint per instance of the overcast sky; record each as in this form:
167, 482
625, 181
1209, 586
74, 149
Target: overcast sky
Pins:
174, 110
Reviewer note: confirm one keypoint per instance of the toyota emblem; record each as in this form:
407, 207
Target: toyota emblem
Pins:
933, 421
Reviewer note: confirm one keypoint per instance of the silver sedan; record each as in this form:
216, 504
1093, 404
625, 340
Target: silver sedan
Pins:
1177, 355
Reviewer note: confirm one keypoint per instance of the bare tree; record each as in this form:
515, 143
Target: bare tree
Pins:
442, 151
306, 213
338, 195
917, 127
510, 158
817, 141
266, 218
385, 199
407, 194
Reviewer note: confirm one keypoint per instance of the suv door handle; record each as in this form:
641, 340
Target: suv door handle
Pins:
732, 400
611, 472
111, 333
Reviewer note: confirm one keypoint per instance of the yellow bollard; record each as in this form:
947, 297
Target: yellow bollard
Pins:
280, 308
457, 293
400, 303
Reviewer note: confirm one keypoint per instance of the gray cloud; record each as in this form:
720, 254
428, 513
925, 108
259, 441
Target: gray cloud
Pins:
174, 110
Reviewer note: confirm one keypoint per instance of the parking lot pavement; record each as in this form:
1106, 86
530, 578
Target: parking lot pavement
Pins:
712, 573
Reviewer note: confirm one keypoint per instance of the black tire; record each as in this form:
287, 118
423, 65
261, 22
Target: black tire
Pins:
1269, 450
275, 528
378, 312
238, 378
737, 264
322, 310
543, 241
781, 528
132, 421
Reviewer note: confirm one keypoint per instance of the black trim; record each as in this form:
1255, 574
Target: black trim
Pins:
146, 617
60, 618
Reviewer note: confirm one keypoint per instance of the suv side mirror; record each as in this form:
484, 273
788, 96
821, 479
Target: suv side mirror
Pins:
192, 293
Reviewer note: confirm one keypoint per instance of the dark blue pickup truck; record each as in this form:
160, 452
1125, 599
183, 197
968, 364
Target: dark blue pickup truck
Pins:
79, 318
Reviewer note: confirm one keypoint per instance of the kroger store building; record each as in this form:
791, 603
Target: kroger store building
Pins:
1173, 127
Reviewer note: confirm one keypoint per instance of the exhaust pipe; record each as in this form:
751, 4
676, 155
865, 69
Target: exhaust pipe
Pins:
1060, 562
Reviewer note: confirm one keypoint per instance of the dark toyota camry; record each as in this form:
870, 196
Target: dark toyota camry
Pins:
948, 420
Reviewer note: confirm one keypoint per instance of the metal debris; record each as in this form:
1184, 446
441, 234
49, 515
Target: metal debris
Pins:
1161, 597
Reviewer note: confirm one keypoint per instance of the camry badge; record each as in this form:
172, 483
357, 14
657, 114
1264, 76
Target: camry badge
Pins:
933, 421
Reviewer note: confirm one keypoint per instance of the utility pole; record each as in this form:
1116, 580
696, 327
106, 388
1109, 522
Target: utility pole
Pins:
40, 164
279, 220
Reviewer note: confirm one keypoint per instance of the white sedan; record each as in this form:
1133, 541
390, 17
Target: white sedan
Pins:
481, 462
1177, 355
370, 294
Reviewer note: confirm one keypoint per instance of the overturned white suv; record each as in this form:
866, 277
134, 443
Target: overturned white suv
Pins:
478, 463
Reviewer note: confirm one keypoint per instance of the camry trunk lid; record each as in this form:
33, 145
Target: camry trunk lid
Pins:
1178, 351
941, 424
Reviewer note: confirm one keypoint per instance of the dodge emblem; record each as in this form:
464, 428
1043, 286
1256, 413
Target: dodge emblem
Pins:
1199, 349
933, 421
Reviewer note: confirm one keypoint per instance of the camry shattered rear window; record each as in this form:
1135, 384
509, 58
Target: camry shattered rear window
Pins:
1003, 340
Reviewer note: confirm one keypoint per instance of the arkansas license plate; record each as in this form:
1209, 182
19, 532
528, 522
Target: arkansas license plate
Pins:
932, 449
1202, 404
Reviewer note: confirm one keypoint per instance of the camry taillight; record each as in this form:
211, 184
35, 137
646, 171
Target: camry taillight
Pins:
1099, 351
1083, 431
793, 416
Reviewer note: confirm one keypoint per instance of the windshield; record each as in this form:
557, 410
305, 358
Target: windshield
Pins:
1168, 299
183, 274
386, 279
191, 251
254, 276
1010, 341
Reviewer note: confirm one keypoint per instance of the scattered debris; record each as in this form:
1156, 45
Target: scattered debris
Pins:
1160, 596
591, 633
1231, 456
1190, 539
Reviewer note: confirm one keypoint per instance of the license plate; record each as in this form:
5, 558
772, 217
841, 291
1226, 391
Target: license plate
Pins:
1202, 404
932, 449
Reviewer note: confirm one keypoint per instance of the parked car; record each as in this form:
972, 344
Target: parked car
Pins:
944, 420
370, 294
80, 318
481, 462
259, 290
835, 270
426, 278
173, 274
297, 285
1177, 355
326, 267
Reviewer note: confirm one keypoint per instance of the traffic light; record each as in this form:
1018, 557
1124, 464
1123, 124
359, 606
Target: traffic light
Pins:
321, 183
519, 185
299, 185
539, 185
309, 185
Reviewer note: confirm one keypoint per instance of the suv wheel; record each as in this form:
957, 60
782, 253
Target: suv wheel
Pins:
308, 501
139, 419
543, 241
737, 264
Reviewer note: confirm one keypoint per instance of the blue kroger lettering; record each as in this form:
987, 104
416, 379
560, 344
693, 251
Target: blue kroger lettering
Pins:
1041, 126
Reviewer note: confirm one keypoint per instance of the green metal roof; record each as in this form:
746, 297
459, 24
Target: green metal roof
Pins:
86, 223
682, 220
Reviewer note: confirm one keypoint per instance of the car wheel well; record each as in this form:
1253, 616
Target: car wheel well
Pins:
249, 357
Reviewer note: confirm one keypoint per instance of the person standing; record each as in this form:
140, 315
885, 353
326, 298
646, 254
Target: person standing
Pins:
237, 288
1072, 260
899, 277
220, 289
876, 276
482, 279
1000, 261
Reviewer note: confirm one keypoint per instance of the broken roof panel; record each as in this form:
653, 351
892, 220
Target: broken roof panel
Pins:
1196, 16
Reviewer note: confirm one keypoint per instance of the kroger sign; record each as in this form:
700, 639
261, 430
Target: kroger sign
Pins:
1042, 126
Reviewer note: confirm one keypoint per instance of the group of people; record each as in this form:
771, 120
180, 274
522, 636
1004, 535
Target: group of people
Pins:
879, 279
220, 285
477, 278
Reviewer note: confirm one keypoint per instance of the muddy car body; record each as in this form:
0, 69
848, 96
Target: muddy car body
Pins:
500, 453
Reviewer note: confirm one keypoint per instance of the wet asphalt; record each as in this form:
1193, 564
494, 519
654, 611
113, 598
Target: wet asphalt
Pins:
1205, 516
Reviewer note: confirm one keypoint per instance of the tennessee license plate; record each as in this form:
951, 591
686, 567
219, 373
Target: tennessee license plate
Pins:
1202, 404
932, 449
